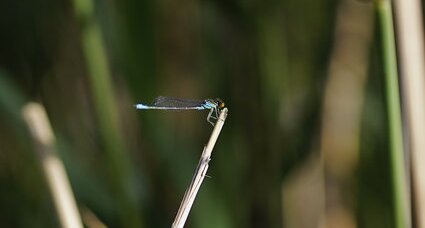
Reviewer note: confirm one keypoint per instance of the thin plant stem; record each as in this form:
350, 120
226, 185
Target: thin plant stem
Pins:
57, 180
398, 169
410, 38
200, 172
106, 112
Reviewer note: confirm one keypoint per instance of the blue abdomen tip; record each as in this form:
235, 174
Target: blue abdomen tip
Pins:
140, 106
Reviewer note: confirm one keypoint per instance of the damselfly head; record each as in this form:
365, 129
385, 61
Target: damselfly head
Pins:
220, 103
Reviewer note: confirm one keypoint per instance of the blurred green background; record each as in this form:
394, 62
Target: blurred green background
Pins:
306, 137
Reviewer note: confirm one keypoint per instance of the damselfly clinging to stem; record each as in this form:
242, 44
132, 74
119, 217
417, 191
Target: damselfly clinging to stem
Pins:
170, 103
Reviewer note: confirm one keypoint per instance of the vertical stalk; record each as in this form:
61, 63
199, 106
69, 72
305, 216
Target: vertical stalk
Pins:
342, 108
106, 112
53, 169
199, 175
398, 169
410, 38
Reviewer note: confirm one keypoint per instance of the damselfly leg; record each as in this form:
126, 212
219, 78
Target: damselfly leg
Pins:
210, 116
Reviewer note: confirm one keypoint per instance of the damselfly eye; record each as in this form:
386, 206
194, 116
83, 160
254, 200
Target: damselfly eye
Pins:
220, 103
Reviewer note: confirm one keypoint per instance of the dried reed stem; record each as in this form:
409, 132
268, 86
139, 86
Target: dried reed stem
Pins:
198, 177
53, 168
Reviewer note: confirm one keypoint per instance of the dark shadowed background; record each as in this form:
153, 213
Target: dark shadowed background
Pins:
305, 141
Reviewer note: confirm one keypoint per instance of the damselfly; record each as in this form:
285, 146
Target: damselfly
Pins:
170, 103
